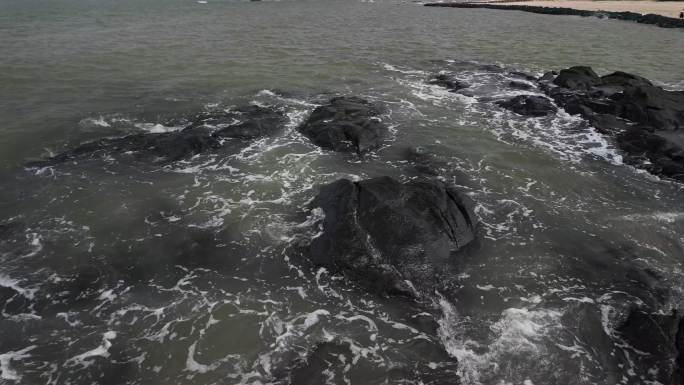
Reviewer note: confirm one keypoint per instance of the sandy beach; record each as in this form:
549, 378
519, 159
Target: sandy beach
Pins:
665, 8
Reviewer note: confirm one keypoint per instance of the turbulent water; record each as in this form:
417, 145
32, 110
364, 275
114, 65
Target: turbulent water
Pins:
125, 272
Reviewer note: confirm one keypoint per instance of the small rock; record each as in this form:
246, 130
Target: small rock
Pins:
449, 82
346, 124
529, 105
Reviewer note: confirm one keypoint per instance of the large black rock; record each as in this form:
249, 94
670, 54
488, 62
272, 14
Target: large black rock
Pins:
658, 339
381, 232
204, 133
529, 105
646, 120
347, 124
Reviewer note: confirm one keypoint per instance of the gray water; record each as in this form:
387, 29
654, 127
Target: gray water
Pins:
185, 274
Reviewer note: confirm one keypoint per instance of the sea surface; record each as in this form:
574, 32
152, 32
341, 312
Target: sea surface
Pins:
119, 272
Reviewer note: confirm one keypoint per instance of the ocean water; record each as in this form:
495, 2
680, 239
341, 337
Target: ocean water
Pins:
114, 271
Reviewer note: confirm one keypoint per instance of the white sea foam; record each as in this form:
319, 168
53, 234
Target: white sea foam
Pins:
14, 284
156, 128
666, 217
519, 334
6, 371
100, 351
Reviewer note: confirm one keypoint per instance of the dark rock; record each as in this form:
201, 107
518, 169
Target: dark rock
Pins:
529, 105
381, 232
645, 119
13, 301
520, 85
162, 148
203, 134
656, 335
678, 376
653, 152
649, 105
651, 332
524, 75
575, 78
449, 82
252, 122
347, 124
622, 79
548, 76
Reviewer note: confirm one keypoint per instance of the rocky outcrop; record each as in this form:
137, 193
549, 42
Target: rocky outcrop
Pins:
449, 82
206, 132
658, 339
529, 105
646, 120
383, 233
345, 124
658, 20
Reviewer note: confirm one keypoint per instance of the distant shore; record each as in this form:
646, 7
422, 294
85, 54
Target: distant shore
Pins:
660, 13
644, 7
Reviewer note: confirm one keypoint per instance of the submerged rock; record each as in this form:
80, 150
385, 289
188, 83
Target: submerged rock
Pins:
346, 124
646, 120
253, 122
205, 133
12, 301
529, 105
165, 147
327, 363
520, 85
657, 338
449, 82
523, 75
384, 233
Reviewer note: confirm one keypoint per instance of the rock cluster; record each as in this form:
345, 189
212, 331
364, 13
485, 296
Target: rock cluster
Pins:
646, 120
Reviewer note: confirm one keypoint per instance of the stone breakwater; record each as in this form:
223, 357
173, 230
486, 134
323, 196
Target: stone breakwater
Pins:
657, 20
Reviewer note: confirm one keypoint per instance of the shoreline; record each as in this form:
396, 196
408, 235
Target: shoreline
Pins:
663, 8
650, 18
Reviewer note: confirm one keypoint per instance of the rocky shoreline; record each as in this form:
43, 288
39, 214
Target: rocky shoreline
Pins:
657, 20
402, 240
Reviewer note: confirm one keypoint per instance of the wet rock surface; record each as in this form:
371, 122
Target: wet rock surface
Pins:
529, 105
345, 124
655, 337
204, 133
383, 233
449, 82
520, 85
646, 120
